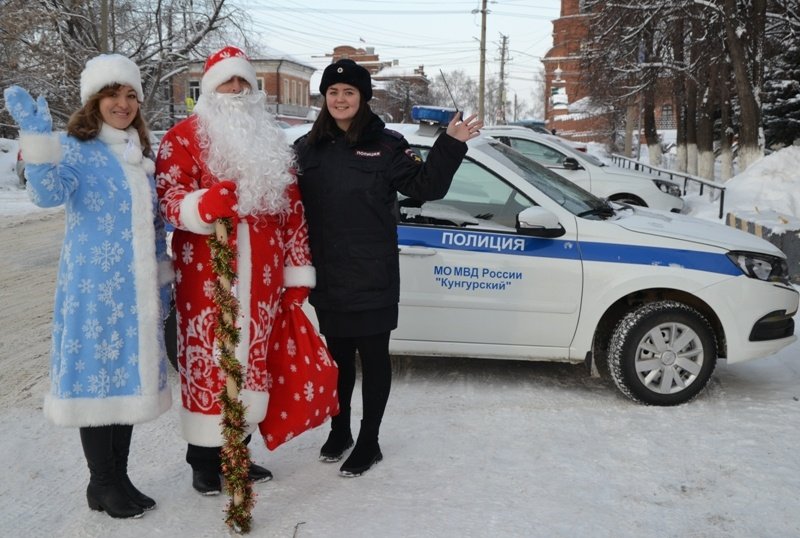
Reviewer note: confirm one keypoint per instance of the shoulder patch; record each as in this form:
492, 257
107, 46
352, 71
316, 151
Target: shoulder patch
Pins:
393, 134
411, 154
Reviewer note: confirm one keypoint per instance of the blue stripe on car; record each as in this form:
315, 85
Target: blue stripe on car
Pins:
516, 245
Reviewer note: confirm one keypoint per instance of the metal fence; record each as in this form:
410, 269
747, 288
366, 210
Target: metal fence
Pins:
626, 162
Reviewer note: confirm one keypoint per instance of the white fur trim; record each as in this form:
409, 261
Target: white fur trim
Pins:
256, 404
166, 273
146, 270
226, 69
149, 166
190, 214
79, 412
204, 430
295, 276
38, 148
107, 69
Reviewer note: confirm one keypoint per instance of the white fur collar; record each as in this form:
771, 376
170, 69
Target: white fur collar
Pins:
125, 145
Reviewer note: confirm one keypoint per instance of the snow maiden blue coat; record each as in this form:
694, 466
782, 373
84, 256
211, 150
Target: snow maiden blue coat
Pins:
108, 358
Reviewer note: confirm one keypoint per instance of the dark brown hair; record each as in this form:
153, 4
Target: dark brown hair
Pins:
85, 123
325, 127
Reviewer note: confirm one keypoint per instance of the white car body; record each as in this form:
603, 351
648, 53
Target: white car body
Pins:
610, 182
474, 283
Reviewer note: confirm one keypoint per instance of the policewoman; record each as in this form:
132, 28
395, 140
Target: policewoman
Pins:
351, 169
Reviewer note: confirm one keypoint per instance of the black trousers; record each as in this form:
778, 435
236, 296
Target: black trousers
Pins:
376, 372
206, 458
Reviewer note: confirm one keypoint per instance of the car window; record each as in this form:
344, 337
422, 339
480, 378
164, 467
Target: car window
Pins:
580, 155
476, 198
564, 192
537, 152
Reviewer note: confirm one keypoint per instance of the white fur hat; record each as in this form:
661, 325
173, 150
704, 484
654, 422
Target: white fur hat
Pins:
107, 69
225, 64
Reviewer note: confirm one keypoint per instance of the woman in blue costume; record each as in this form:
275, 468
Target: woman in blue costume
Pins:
108, 365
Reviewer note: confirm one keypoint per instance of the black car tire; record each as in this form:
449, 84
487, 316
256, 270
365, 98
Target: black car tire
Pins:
662, 353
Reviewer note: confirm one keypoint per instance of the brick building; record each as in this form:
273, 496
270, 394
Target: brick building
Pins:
568, 106
285, 80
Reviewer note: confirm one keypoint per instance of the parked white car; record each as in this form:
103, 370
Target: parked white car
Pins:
610, 182
516, 262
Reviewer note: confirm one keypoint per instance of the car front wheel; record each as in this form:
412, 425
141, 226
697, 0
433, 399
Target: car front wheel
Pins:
662, 353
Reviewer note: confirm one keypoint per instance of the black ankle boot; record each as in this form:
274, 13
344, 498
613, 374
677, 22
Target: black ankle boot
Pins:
365, 454
104, 492
333, 449
206, 481
139, 498
108, 496
121, 442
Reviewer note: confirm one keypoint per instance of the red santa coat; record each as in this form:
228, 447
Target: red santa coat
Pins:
272, 253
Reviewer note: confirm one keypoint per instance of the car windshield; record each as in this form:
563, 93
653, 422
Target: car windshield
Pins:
564, 192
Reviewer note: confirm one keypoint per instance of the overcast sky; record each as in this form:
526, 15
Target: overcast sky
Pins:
444, 34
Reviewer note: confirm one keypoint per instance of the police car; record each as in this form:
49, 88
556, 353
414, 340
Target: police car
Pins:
516, 262
611, 182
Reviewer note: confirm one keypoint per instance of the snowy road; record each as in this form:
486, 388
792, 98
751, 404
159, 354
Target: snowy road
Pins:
472, 449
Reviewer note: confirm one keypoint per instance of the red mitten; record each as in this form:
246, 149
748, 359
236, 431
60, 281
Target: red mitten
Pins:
295, 296
218, 202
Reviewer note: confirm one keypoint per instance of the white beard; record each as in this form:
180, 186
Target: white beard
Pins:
241, 141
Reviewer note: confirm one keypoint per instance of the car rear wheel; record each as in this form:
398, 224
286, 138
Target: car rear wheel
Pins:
662, 353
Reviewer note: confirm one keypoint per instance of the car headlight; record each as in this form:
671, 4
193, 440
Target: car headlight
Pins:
761, 266
668, 187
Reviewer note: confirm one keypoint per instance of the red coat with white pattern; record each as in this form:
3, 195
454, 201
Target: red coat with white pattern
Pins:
272, 253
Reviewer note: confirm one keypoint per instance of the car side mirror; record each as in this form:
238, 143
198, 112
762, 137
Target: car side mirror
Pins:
571, 163
536, 221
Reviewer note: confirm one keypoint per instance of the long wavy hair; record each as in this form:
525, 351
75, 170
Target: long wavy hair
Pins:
85, 123
325, 127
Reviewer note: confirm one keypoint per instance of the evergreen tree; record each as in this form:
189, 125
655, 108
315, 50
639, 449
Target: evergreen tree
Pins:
781, 96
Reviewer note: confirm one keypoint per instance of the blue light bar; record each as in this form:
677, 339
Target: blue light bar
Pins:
432, 114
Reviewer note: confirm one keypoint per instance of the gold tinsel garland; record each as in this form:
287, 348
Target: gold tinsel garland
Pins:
234, 454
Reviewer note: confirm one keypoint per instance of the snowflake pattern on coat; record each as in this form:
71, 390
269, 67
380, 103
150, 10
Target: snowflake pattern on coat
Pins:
108, 361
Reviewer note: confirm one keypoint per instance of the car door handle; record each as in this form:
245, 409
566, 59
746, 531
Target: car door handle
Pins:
417, 251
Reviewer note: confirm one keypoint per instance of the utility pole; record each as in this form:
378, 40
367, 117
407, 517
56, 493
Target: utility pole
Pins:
482, 82
502, 99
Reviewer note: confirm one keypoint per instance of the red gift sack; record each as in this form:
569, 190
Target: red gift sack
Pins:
301, 379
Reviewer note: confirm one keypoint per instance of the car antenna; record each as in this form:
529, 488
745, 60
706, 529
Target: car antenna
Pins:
444, 79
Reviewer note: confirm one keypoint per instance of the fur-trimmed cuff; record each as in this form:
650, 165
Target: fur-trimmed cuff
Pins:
295, 276
190, 214
255, 404
40, 148
166, 273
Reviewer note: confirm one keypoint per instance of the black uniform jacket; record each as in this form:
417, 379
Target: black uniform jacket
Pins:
350, 197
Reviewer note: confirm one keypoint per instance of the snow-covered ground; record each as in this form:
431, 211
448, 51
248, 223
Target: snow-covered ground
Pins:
472, 448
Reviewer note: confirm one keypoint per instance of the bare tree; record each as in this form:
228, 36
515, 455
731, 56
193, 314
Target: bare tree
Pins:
464, 93
401, 95
48, 42
745, 23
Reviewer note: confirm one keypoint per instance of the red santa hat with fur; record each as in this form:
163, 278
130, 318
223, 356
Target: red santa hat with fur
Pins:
225, 64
